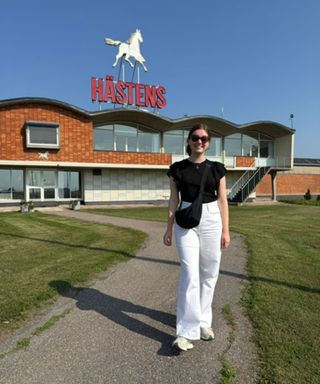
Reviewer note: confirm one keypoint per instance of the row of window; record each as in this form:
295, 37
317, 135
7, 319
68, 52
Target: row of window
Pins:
117, 137
42, 184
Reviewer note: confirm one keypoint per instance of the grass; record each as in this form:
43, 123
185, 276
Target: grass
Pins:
228, 316
37, 249
228, 373
283, 296
302, 202
145, 213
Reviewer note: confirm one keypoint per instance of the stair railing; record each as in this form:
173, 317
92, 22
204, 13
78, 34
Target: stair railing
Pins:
253, 181
240, 182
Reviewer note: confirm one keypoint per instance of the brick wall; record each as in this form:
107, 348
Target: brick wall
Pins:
290, 184
76, 138
244, 161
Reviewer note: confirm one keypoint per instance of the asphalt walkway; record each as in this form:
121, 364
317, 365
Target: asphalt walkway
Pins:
120, 329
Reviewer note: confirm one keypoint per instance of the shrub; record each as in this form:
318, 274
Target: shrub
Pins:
307, 195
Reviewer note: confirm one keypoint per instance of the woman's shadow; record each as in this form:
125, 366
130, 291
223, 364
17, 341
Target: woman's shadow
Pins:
88, 299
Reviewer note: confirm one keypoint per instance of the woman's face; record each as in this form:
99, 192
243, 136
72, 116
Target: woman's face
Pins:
199, 141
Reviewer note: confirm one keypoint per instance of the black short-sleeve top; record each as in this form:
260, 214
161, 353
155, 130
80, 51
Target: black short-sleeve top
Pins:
187, 176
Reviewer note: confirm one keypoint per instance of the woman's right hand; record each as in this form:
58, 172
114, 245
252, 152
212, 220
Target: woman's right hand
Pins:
167, 237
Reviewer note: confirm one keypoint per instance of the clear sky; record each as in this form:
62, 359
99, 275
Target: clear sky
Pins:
252, 59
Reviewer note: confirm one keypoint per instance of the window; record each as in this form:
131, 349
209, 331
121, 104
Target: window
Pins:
233, 145
119, 137
11, 184
42, 134
69, 184
173, 142
266, 148
42, 184
126, 138
250, 145
148, 142
103, 138
214, 147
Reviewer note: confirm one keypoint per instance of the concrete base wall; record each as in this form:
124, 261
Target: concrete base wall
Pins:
126, 185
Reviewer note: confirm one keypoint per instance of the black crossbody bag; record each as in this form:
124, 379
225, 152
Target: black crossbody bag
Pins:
190, 217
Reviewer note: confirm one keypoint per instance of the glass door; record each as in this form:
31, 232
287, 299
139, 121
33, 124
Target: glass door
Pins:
41, 184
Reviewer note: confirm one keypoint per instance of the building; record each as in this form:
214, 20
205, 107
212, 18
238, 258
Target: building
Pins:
52, 152
295, 182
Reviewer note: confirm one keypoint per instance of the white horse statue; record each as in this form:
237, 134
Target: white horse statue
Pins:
128, 49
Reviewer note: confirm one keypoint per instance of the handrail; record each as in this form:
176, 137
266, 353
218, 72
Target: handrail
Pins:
246, 187
239, 183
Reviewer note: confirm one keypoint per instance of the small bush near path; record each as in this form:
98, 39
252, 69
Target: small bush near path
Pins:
38, 248
283, 298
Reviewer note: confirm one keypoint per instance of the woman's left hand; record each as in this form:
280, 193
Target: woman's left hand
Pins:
225, 239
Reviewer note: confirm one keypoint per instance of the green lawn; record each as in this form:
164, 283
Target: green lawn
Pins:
302, 202
37, 249
282, 299
141, 213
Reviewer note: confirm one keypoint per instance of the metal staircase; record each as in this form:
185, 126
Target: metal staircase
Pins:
246, 184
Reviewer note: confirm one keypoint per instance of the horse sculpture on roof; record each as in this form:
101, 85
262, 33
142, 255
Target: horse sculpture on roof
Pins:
129, 49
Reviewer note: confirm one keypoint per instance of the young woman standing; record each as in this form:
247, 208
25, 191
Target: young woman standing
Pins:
199, 248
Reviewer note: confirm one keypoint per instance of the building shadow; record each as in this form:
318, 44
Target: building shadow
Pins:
119, 311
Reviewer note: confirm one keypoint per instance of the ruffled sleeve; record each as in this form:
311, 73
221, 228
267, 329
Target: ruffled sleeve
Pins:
174, 172
220, 170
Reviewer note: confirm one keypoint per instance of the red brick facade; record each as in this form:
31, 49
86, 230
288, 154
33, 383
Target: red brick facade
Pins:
76, 138
290, 184
245, 161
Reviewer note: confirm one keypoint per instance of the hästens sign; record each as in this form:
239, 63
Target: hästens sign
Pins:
127, 93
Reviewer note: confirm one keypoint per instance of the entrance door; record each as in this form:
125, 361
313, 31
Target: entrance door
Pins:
41, 185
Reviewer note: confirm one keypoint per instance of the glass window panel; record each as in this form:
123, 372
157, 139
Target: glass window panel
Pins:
49, 193
48, 178
148, 142
126, 138
63, 189
173, 142
69, 184
214, 147
266, 148
233, 145
75, 184
103, 138
5, 184
35, 178
34, 193
250, 146
43, 135
17, 184
11, 184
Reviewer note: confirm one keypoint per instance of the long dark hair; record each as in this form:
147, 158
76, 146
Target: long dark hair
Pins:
193, 129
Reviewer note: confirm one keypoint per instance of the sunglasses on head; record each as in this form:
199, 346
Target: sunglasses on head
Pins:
195, 138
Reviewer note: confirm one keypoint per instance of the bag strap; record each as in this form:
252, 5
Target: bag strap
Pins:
203, 180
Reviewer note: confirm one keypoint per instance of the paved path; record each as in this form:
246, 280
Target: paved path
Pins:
120, 329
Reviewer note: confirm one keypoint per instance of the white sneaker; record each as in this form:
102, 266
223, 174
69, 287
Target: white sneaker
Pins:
182, 343
206, 334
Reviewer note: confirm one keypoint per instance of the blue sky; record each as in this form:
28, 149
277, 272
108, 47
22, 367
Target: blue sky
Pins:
255, 59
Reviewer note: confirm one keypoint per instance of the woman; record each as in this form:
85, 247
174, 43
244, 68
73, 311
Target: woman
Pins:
199, 248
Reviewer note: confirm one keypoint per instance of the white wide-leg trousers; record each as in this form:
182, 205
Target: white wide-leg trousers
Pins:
199, 250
